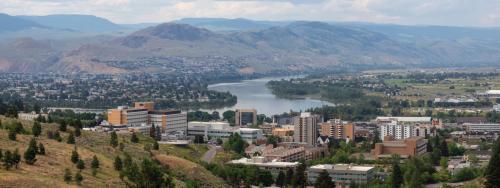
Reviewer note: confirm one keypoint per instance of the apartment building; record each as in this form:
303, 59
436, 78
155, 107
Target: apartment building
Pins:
337, 129
306, 128
342, 174
284, 154
409, 147
124, 115
245, 117
481, 127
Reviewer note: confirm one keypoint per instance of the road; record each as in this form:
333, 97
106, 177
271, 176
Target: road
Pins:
210, 154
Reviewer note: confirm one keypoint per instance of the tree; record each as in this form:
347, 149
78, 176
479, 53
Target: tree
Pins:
492, 173
235, 143
78, 178
118, 163
57, 136
95, 162
8, 160
30, 153
16, 158
156, 146
443, 147
289, 177
74, 156
114, 139
152, 131
71, 138
266, 178
12, 135
80, 164
78, 132
67, 175
134, 138
324, 180
299, 180
63, 126
36, 129
41, 149
280, 180
396, 176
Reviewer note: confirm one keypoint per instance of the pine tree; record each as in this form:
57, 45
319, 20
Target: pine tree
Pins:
156, 146
63, 126
492, 173
30, 153
12, 135
95, 162
289, 177
74, 156
134, 138
19, 128
152, 130
118, 163
16, 158
299, 180
396, 176
8, 160
1, 154
78, 132
41, 149
71, 138
114, 139
280, 180
78, 178
36, 129
324, 180
444, 148
57, 136
80, 164
67, 175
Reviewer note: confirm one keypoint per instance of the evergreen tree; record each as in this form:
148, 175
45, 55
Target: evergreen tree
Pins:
95, 162
158, 133
41, 149
396, 176
1, 154
12, 135
18, 127
36, 129
492, 173
71, 138
299, 180
324, 180
134, 138
289, 177
63, 126
118, 163
67, 175
443, 147
8, 160
74, 156
78, 132
16, 158
280, 180
30, 153
57, 136
114, 139
78, 178
152, 131
80, 164
156, 146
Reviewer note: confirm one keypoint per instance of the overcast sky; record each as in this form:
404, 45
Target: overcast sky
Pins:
411, 12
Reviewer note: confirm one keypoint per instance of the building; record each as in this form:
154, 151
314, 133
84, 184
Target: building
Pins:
150, 106
342, 174
404, 120
267, 128
170, 121
123, 115
491, 94
273, 166
337, 129
214, 130
245, 117
496, 107
400, 130
306, 128
283, 154
412, 146
481, 127
31, 116
285, 133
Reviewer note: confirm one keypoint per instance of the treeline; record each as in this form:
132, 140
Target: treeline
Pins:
361, 111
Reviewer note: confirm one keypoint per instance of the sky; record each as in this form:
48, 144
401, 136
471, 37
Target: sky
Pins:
483, 13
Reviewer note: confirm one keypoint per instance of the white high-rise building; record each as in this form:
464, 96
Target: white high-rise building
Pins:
398, 131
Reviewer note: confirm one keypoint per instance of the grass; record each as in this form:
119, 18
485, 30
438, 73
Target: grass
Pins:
48, 170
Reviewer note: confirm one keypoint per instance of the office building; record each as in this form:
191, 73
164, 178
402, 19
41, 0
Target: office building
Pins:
170, 121
342, 174
123, 115
245, 117
337, 129
306, 128
481, 127
214, 130
272, 165
409, 147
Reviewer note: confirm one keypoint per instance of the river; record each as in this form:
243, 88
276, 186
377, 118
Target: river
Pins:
254, 94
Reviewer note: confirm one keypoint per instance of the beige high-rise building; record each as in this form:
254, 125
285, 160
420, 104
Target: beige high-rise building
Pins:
244, 117
306, 128
337, 129
124, 115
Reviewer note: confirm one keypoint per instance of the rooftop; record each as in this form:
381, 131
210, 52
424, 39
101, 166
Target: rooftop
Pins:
341, 167
260, 161
405, 119
493, 92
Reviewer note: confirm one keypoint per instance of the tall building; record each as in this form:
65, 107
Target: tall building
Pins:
403, 131
244, 117
306, 128
170, 121
150, 106
123, 115
337, 129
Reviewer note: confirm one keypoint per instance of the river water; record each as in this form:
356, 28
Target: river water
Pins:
255, 94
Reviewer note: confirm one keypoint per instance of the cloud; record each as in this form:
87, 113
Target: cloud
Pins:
428, 12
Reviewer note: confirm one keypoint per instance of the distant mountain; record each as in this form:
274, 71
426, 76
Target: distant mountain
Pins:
72, 22
223, 24
12, 23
